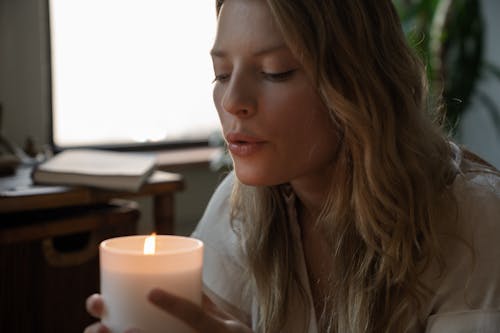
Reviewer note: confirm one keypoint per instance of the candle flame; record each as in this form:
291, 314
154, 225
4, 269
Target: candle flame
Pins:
150, 244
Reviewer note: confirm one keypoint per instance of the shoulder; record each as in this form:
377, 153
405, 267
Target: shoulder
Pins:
477, 192
215, 228
476, 189
224, 277
215, 222
468, 291
474, 174
485, 321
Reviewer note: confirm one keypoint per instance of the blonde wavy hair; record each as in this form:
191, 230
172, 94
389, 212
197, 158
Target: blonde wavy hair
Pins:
394, 162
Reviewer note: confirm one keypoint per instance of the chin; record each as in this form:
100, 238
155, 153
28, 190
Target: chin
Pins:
253, 176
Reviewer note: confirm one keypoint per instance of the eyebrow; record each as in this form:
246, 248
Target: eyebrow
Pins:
266, 50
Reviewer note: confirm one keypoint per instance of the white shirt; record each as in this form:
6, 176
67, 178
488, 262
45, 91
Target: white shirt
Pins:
466, 297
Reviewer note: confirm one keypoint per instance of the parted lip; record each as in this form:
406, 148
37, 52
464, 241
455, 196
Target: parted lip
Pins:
237, 137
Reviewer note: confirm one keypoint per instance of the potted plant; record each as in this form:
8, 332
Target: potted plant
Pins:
449, 36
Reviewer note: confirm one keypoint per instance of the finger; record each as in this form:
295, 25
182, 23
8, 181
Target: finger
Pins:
96, 328
214, 309
133, 330
95, 305
190, 313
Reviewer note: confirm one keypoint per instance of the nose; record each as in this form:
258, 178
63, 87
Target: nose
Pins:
238, 97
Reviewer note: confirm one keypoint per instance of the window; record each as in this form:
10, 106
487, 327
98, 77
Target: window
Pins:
131, 71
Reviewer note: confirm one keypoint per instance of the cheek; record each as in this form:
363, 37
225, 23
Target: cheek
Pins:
217, 96
308, 127
299, 114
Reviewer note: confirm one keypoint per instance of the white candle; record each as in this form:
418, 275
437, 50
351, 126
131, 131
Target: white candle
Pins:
128, 274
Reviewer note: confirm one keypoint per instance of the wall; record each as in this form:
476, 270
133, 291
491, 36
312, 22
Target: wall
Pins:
21, 90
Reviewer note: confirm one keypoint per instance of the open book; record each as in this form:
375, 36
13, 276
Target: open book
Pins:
96, 168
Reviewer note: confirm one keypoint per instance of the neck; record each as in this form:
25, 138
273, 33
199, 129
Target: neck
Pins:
311, 192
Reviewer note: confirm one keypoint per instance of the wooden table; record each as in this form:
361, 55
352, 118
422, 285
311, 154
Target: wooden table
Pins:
49, 237
19, 194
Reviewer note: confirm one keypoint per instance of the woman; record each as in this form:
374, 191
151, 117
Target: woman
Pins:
348, 209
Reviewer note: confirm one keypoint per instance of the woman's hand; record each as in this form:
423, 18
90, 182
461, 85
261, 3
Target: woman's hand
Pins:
95, 306
205, 319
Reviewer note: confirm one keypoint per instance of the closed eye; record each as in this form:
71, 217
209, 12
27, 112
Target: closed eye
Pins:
277, 77
221, 78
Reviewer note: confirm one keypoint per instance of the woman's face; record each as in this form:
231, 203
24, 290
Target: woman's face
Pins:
276, 126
